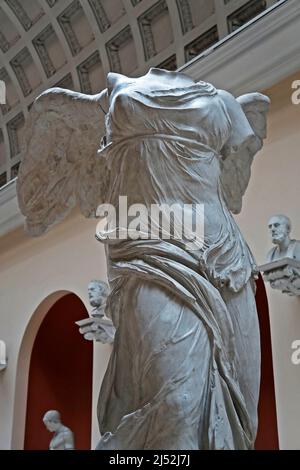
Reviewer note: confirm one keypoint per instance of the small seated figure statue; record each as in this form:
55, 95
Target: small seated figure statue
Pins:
98, 327
63, 438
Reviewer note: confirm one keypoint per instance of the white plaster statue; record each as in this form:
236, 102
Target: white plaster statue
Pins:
285, 247
63, 438
185, 368
282, 269
98, 327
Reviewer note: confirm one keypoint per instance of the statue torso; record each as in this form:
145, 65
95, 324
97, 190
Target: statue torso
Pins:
62, 440
165, 143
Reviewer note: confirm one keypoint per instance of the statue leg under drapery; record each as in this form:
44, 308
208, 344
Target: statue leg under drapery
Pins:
158, 389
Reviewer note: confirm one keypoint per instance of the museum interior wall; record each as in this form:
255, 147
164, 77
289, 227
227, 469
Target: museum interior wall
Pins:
274, 189
66, 258
74, 43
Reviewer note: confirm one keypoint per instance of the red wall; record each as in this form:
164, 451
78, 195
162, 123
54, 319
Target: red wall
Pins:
60, 376
267, 436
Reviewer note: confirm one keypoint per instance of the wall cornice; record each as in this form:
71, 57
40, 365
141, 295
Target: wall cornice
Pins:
260, 54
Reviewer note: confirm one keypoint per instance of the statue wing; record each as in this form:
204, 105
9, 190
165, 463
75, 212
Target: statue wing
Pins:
59, 166
236, 162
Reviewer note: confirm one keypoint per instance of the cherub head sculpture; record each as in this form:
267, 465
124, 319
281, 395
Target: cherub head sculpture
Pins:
98, 292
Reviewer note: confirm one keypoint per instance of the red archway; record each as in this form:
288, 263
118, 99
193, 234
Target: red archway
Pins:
267, 435
60, 376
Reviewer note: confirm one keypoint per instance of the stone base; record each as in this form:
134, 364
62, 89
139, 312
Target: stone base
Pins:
283, 274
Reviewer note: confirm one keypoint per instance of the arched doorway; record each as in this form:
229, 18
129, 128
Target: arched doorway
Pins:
267, 435
60, 375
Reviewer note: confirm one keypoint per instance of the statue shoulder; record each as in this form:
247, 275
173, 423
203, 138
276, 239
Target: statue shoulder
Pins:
68, 438
271, 254
295, 249
66, 429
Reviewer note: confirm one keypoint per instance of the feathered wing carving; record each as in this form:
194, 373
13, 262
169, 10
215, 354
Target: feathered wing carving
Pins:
236, 164
59, 166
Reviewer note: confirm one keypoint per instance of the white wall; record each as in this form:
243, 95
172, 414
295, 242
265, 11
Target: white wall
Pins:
275, 188
65, 259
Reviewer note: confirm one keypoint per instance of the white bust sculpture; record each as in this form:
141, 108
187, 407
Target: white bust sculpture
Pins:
285, 247
98, 327
63, 438
98, 292
282, 267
